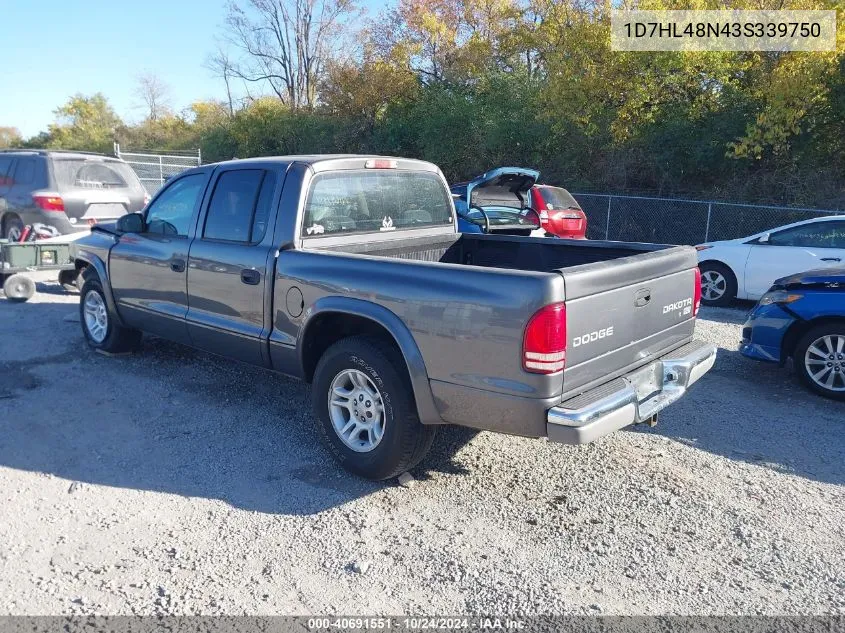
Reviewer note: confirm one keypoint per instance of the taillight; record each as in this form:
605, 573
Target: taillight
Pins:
696, 292
544, 343
544, 217
48, 202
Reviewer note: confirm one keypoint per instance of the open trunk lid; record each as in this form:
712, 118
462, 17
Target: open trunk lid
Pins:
504, 195
624, 313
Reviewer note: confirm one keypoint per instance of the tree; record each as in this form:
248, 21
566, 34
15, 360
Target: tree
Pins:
85, 123
154, 95
221, 65
10, 137
448, 40
287, 43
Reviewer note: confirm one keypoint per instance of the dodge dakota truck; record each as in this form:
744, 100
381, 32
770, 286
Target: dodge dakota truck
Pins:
348, 273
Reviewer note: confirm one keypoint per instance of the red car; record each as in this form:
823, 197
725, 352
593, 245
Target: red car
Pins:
560, 214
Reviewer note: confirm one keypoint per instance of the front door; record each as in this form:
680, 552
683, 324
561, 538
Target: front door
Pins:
818, 244
148, 270
228, 298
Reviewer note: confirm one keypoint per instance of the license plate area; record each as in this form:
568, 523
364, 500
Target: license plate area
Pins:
104, 210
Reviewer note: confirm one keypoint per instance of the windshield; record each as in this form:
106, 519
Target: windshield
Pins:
75, 173
367, 201
557, 198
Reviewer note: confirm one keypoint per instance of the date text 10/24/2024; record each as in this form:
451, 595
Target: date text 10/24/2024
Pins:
415, 623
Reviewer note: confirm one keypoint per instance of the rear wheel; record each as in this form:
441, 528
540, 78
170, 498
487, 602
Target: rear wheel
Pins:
12, 228
67, 278
19, 288
820, 360
98, 324
362, 397
718, 284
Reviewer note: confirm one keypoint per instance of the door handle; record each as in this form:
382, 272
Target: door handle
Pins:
250, 276
177, 265
831, 259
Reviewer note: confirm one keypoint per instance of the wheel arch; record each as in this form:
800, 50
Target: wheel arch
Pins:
800, 328
331, 319
88, 264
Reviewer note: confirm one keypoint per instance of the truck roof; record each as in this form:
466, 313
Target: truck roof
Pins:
326, 162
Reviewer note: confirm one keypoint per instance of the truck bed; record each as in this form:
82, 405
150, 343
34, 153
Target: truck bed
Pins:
500, 251
604, 284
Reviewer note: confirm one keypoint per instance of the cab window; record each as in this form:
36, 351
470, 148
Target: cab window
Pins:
171, 212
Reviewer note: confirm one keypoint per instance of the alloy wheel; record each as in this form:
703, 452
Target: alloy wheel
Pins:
356, 410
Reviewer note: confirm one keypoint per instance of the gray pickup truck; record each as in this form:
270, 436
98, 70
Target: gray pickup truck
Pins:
348, 272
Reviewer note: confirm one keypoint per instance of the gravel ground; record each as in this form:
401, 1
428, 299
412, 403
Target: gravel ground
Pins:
173, 482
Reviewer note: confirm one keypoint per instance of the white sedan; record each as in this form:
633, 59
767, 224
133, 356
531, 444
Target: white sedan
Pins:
746, 267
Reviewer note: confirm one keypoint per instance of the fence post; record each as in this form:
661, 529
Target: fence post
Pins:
160, 172
607, 223
707, 227
199, 156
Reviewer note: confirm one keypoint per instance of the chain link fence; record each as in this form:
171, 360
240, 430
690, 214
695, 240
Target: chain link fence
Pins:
153, 169
678, 221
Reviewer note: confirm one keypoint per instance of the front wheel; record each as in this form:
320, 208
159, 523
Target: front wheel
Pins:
820, 360
98, 324
362, 397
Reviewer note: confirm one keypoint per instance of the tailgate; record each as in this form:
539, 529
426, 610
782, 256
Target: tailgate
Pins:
623, 313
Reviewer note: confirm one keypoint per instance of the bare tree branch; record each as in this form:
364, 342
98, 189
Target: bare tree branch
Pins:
154, 95
286, 43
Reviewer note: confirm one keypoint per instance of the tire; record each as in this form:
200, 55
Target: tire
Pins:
403, 442
12, 228
722, 283
19, 288
67, 278
103, 333
812, 357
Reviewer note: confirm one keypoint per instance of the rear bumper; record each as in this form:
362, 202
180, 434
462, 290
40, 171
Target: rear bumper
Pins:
631, 399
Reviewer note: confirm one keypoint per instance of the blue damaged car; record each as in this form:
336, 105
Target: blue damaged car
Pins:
498, 202
802, 317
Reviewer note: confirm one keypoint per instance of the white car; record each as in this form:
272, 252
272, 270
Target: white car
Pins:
746, 267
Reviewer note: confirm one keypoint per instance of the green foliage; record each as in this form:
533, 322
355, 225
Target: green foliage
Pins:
84, 123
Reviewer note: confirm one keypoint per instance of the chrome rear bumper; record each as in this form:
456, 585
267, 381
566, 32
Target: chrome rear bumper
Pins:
630, 399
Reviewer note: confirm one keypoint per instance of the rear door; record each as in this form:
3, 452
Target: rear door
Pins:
96, 188
804, 247
148, 271
228, 293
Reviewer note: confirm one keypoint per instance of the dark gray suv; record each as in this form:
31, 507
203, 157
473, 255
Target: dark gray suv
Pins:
68, 191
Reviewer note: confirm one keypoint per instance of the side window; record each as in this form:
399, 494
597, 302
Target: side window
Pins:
25, 172
171, 212
5, 171
813, 235
262, 207
240, 206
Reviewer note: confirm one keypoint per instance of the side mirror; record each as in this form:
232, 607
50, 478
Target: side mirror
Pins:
764, 239
131, 223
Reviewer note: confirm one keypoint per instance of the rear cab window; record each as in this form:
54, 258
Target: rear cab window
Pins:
371, 201
84, 173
